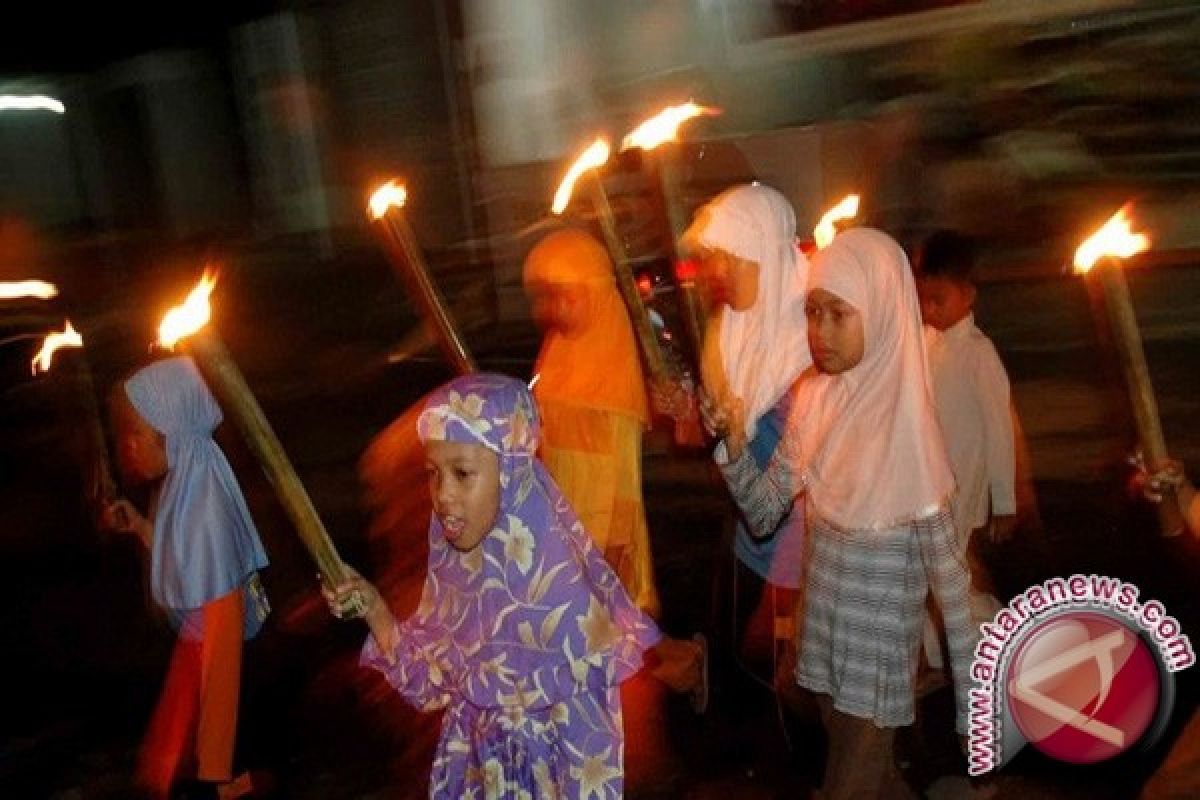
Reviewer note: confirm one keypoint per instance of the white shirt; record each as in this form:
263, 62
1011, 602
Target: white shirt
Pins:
971, 393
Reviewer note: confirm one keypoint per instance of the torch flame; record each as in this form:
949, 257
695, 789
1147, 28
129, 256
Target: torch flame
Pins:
11, 290
664, 126
1115, 238
189, 317
68, 337
827, 228
595, 156
385, 197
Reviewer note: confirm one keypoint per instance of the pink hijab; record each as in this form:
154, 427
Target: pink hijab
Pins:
867, 442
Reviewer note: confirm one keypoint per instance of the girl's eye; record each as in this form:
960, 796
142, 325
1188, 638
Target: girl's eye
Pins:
462, 474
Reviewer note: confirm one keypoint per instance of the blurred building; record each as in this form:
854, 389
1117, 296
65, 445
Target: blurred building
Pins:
937, 110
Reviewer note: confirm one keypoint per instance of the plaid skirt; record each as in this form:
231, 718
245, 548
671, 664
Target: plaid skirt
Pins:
865, 607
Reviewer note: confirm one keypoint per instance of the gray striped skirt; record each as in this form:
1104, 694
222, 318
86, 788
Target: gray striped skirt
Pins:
865, 607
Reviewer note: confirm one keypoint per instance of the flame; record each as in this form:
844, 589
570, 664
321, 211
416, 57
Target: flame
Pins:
68, 337
827, 228
385, 197
11, 290
189, 317
1115, 239
664, 126
595, 156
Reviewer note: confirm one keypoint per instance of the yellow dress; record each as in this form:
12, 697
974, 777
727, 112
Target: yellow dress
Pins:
592, 399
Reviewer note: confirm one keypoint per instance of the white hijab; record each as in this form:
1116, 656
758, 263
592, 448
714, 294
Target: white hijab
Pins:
870, 451
764, 348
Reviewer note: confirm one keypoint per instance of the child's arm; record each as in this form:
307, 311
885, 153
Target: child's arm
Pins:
378, 616
764, 497
121, 516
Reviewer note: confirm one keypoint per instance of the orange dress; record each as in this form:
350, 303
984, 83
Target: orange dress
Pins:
592, 398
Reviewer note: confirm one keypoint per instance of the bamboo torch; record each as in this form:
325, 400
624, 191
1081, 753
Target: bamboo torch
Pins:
586, 166
386, 210
102, 489
658, 139
186, 326
1100, 256
827, 228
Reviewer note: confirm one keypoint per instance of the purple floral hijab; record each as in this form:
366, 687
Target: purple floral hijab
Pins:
524, 639
534, 611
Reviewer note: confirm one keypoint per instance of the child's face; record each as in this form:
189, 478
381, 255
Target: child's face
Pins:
835, 332
727, 278
944, 302
464, 485
141, 450
558, 307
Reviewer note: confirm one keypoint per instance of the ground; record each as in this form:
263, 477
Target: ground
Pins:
85, 654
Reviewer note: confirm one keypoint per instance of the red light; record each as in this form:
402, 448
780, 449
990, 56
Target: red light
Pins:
645, 285
686, 270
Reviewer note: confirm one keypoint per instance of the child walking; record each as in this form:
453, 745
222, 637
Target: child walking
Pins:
592, 401
974, 407
864, 449
204, 560
754, 351
523, 633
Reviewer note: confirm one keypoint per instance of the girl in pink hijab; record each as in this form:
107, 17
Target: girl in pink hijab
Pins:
864, 449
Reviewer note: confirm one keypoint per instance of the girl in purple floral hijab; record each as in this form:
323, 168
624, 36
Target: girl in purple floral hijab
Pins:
523, 633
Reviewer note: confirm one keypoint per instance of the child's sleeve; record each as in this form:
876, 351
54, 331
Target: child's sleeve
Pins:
998, 434
421, 667
763, 496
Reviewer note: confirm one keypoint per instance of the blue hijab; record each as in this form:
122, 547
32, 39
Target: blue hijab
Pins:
205, 543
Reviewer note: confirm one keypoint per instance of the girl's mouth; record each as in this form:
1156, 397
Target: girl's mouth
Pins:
452, 527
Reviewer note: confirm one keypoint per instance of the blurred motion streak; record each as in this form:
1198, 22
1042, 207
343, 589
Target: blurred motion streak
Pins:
16, 290
67, 337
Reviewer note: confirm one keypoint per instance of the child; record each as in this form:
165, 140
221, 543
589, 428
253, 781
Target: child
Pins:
523, 633
863, 447
755, 349
205, 557
592, 401
971, 394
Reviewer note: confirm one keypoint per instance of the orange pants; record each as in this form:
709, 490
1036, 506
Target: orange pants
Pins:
195, 722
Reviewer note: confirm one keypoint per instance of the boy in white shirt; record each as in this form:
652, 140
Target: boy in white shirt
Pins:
971, 394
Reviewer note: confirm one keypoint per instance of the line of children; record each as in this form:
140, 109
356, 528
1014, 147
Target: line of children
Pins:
205, 554
864, 448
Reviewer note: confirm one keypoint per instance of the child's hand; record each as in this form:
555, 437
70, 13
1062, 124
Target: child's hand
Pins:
1169, 477
120, 516
725, 419
355, 596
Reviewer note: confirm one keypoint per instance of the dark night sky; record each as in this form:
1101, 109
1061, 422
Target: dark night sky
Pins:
40, 36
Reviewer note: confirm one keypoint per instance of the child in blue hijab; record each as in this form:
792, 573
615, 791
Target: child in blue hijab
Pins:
205, 554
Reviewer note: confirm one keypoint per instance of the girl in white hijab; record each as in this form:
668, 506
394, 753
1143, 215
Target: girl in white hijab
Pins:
864, 449
754, 351
745, 239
